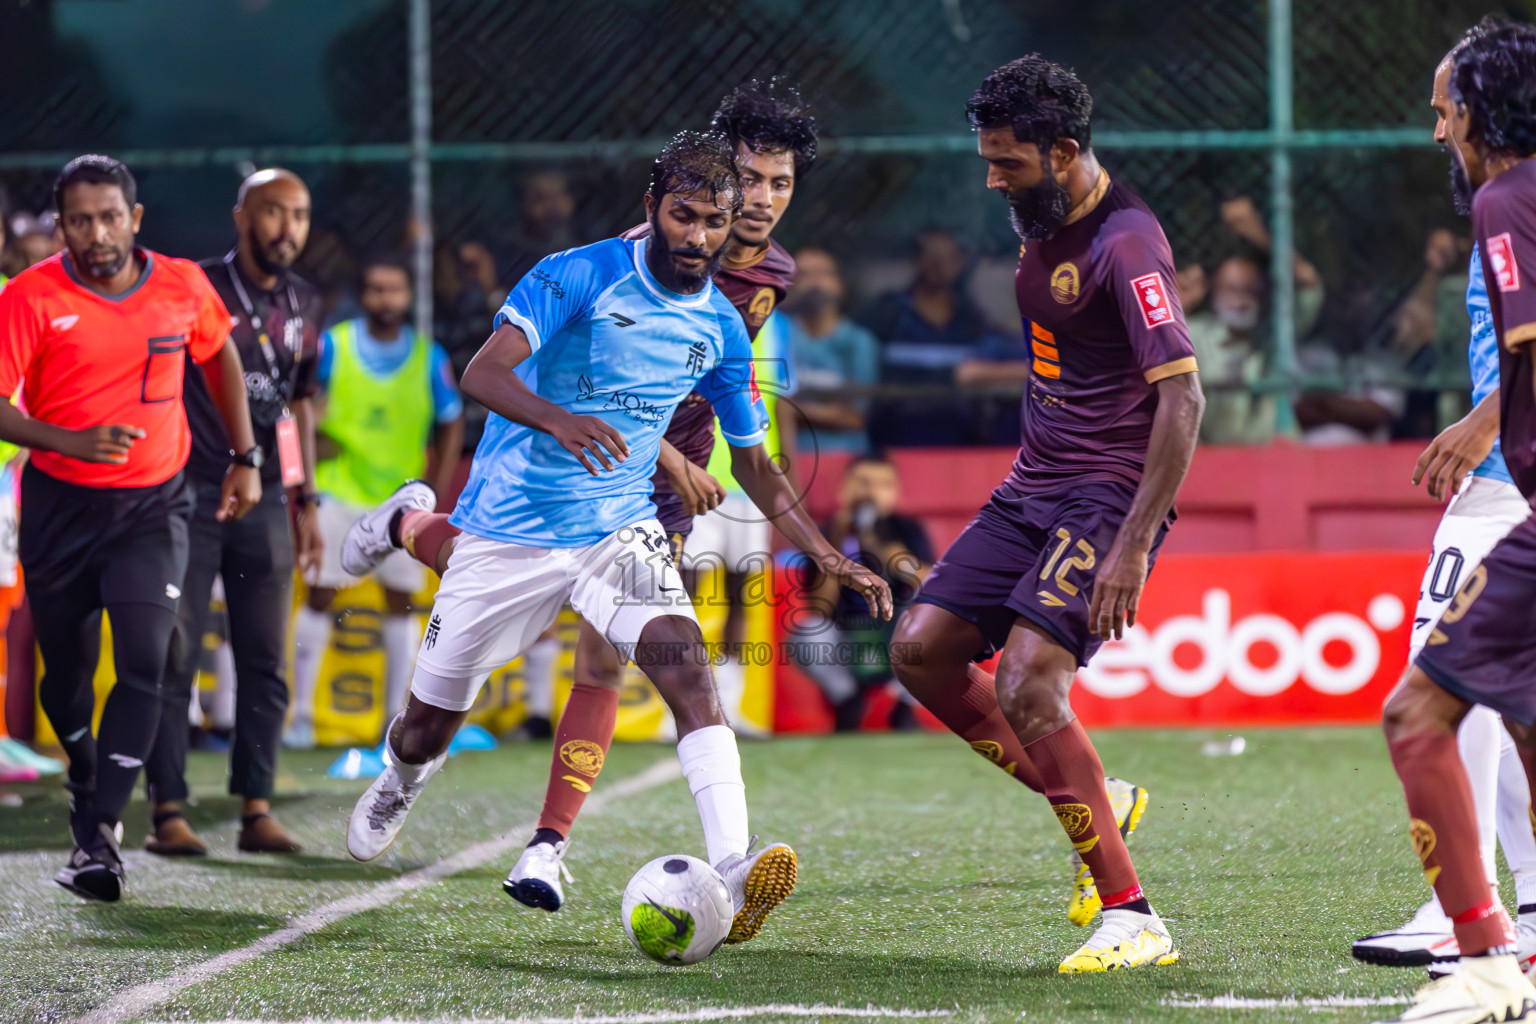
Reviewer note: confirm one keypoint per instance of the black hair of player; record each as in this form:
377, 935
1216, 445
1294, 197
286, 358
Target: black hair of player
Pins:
392, 260
95, 169
693, 162
769, 117
868, 459
1492, 78
1039, 99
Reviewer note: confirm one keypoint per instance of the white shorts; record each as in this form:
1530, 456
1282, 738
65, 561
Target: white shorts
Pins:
735, 534
8, 527
1476, 520
496, 599
399, 571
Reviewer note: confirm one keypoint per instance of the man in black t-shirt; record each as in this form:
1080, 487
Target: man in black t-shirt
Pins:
835, 641
276, 327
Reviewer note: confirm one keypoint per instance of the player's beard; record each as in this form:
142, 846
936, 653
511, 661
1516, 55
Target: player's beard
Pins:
1039, 212
1461, 186
659, 255
111, 268
270, 261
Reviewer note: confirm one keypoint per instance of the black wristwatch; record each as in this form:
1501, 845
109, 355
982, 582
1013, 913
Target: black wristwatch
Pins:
253, 458
307, 499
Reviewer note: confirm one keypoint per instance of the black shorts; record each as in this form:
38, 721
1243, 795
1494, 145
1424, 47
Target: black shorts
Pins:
1032, 556
131, 540
1484, 647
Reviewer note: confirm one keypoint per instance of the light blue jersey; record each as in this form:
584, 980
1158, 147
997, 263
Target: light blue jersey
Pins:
608, 341
1483, 354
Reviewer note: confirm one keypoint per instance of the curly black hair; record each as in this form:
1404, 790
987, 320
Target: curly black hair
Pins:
95, 169
769, 118
1039, 99
1493, 79
694, 161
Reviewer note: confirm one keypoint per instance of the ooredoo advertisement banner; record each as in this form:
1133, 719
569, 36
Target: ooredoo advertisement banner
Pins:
1259, 639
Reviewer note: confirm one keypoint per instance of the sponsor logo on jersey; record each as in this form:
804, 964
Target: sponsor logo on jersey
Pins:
1152, 296
64, 323
583, 756
1501, 257
1064, 283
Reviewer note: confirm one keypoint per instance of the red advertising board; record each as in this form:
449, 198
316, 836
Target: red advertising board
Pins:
1237, 640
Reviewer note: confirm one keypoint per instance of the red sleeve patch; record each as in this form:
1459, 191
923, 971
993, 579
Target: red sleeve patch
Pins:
1156, 310
1501, 256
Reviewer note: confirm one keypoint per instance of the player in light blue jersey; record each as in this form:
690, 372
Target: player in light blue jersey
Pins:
591, 353
1465, 464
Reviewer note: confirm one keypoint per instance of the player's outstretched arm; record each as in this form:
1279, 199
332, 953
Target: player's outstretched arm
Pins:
769, 490
1459, 449
489, 380
1122, 574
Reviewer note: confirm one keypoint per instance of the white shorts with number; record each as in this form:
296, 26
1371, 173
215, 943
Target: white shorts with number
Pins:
496, 598
735, 535
399, 571
1476, 520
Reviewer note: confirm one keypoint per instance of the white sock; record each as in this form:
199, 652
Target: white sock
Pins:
1514, 818
401, 639
1478, 742
311, 636
221, 709
539, 677
712, 765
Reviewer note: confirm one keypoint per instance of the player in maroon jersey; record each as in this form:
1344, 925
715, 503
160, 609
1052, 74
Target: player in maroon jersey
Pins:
1483, 649
1054, 563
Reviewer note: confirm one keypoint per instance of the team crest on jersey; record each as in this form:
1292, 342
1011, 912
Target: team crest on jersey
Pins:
1501, 256
761, 306
1152, 296
1064, 283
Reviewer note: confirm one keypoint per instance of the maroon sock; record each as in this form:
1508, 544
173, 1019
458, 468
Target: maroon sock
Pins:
423, 535
1444, 833
1074, 784
581, 744
971, 712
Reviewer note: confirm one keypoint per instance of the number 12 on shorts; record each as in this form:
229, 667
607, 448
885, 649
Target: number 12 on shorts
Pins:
1084, 561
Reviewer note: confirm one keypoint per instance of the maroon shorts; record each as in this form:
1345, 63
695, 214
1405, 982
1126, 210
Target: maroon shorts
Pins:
1484, 648
1032, 556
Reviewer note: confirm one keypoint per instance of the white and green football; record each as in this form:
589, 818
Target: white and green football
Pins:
677, 910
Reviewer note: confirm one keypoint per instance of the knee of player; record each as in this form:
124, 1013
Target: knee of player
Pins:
1417, 706
1030, 687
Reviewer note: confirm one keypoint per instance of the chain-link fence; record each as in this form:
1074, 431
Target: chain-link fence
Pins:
544, 116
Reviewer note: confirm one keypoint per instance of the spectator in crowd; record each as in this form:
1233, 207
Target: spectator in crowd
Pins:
925, 331
466, 295
1429, 329
1226, 338
386, 387
831, 354
33, 239
547, 224
835, 640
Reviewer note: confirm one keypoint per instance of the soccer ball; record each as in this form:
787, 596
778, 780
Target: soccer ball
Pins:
677, 910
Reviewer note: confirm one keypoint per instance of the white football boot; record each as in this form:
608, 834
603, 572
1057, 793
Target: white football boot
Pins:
1125, 938
535, 880
1482, 989
1425, 939
367, 543
381, 811
757, 883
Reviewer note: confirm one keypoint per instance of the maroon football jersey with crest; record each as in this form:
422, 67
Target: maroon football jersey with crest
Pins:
755, 287
1504, 220
1104, 325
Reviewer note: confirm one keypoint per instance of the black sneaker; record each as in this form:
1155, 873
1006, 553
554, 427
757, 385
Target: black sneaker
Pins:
95, 874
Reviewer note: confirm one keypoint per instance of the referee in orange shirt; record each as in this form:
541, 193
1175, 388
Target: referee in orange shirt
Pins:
97, 337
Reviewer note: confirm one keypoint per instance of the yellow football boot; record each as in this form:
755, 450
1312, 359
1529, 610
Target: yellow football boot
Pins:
1125, 939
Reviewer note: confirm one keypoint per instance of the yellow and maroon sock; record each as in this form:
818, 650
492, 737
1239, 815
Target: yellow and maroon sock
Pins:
581, 744
1444, 832
423, 534
1074, 784
971, 712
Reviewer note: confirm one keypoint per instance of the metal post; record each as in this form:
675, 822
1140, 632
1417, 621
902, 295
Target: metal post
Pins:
421, 158
1282, 263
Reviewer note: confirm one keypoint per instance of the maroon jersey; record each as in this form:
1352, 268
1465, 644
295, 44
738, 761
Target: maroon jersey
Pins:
755, 287
1105, 325
1504, 219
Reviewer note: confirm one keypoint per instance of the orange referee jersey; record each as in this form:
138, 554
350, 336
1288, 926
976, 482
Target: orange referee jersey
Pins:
86, 360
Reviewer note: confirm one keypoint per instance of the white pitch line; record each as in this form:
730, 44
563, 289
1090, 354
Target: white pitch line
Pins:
1236, 1002
142, 998
708, 1013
